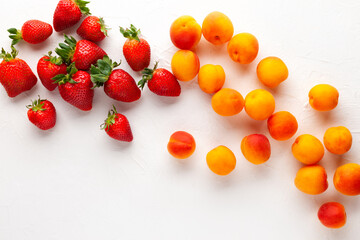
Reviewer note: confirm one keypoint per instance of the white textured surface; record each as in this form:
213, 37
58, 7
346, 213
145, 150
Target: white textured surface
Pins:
74, 182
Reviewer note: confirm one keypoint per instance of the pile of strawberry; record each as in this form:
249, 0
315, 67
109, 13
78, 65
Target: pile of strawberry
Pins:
82, 66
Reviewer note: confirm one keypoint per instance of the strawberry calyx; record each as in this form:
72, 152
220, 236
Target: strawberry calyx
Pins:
53, 59
9, 56
148, 74
133, 33
110, 120
15, 35
103, 27
82, 6
101, 72
66, 50
65, 78
37, 105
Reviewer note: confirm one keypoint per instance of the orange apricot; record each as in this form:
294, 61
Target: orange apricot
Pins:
181, 145
227, 102
311, 179
259, 104
282, 125
211, 78
185, 32
185, 65
338, 140
272, 71
243, 48
332, 215
347, 179
323, 97
256, 148
217, 28
221, 160
307, 149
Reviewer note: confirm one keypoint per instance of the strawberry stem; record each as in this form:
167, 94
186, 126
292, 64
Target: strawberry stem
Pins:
147, 76
112, 115
9, 56
82, 6
133, 33
62, 78
100, 73
37, 105
53, 59
15, 35
66, 50
103, 26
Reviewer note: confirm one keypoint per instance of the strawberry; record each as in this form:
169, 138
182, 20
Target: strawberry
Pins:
117, 126
118, 84
68, 13
42, 114
160, 81
93, 29
47, 68
83, 53
136, 50
76, 88
15, 74
32, 31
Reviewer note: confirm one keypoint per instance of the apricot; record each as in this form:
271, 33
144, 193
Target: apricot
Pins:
332, 215
311, 179
243, 48
307, 149
282, 125
185, 32
227, 102
181, 145
185, 65
217, 28
338, 140
347, 179
221, 160
323, 97
211, 78
259, 104
272, 71
256, 148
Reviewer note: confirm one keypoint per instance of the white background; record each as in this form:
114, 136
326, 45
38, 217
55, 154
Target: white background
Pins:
74, 182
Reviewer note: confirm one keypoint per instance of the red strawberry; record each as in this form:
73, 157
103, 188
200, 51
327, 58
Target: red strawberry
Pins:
33, 31
118, 84
68, 13
117, 126
76, 88
47, 68
93, 29
83, 53
136, 50
161, 82
42, 114
15, 75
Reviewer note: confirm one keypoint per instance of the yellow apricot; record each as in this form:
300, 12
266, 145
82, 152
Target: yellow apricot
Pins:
211, 78
227, 102
282, 125
311, 179
217, 28
185, 65
221, 160
256, 148
259, 104
185, 32
323, 97
272, 71
243, 48
308, 149
338, 140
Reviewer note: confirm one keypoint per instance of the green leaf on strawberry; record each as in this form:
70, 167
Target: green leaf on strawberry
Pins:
53, 59
66, 50
64, 78
9, 56
100, 73
132, 33
15, 35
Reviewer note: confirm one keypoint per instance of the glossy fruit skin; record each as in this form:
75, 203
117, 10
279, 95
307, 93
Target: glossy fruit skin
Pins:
67, 14
90, 29
181, 145
16, 76
120, 129
86, 54
121, 86
43, 119
78, 94
137, 54
332, 215
35, 31
185, 32
47, 70
164, 83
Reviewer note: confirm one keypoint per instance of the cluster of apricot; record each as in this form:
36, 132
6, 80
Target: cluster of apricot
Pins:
259, 104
